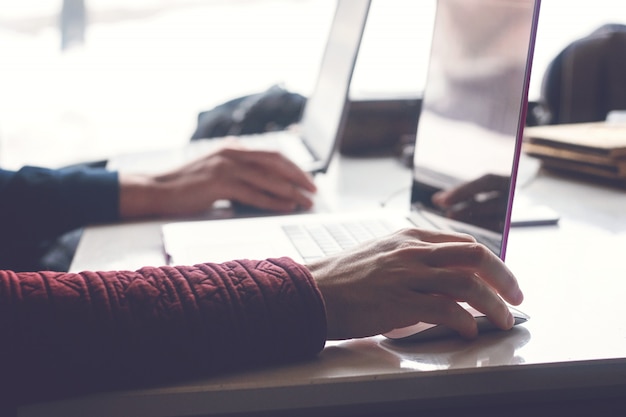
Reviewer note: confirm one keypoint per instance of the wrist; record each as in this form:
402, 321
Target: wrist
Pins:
140, 196
319, 272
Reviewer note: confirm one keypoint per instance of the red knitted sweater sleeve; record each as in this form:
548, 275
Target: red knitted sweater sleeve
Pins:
65, 334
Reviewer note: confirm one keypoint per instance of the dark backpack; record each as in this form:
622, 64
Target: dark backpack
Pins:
587, 79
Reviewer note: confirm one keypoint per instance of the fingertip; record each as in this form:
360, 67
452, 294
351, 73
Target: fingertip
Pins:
439, 198
305, 199
467, 326
310, 182
510, 321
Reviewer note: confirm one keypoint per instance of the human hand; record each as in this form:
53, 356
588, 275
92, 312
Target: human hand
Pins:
262, 179
481, 202
414, 276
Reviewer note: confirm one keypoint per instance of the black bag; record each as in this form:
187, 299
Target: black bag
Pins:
273, 109
587, 79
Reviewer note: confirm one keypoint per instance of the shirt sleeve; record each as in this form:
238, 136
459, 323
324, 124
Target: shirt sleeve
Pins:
68, 334
39, 204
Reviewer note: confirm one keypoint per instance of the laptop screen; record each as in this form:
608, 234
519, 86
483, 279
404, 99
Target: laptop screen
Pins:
470, 128
324, 111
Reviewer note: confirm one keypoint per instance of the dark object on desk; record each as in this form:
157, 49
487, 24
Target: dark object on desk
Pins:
372, 126
380, 126
534, 215
273, 109
586, 80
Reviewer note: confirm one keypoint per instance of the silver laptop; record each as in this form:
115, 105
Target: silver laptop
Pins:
313, 141
469, 132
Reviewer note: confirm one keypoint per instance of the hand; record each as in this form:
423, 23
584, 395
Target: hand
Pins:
481, 202
414, 276
262, 179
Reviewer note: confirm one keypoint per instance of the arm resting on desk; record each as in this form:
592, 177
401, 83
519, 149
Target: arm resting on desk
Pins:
37, 205
67, 334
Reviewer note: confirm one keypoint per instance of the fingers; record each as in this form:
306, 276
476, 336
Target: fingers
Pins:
267, 192
275, 163
469, 190
454, 268
488, 215
257, 196
267, 180
274, 186
435, 236
459, 286
482, 262
447, 312
262, 179
414, 276
488, 208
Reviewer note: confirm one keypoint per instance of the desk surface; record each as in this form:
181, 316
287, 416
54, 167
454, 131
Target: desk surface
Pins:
572, 274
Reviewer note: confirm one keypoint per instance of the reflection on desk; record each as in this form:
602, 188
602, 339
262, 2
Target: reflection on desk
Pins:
491, 349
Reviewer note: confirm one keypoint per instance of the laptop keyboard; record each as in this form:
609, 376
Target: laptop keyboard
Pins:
314, 241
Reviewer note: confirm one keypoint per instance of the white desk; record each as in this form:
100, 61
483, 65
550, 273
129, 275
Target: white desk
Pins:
574, 346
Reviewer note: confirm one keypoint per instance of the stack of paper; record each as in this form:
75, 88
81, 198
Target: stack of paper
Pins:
597, 149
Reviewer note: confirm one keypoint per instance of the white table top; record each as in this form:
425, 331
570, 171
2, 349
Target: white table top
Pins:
572, 274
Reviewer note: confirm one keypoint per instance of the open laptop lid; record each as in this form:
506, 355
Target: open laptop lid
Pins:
325, 111
473, 114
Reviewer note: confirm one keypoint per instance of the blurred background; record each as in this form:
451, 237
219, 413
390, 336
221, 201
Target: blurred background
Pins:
87, 79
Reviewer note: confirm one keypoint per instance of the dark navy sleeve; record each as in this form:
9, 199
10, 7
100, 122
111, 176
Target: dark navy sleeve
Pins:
38, 205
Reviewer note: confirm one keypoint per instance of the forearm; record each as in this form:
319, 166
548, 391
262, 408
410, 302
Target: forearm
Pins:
37, 205
46, 201
67, 333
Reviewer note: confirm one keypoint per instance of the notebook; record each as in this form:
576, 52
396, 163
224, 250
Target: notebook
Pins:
312, 143
470, 128
597, 149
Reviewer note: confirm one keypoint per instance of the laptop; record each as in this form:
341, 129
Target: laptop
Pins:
313, 141
469, 132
